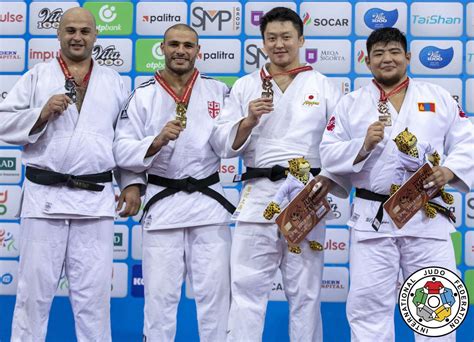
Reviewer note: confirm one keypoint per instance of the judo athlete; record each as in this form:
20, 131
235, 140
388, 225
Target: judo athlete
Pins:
273, 115
166, 129
63, 112
359, 143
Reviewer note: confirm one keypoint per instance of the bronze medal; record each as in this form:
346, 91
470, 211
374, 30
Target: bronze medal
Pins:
384, 116
267, 89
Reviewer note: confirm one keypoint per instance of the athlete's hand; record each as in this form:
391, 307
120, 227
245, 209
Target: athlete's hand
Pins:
325, 184
131, 197
55, 106
440, 177
375, 134
169, 133
257, 108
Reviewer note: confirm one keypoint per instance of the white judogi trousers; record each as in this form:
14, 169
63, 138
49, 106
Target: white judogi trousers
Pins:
85, 248
374, 270
203, 253
257, 253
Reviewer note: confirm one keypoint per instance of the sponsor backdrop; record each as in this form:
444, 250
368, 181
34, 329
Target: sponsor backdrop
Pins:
440, 38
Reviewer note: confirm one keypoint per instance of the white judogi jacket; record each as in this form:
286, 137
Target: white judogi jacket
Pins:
195, 153
293, 129
446, 130
72, 143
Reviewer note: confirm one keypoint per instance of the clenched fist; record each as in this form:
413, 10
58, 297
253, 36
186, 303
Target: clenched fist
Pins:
169, 133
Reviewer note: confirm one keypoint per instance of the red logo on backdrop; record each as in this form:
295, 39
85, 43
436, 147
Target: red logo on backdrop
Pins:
213, 108
462, 114
331, 124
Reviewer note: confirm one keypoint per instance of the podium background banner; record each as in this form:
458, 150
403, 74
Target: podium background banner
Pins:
440, 35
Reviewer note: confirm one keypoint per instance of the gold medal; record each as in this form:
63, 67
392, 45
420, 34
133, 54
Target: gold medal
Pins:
181, 109
267, 89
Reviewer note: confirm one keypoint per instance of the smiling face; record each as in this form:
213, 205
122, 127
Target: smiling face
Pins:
180, 48
388, 62
282, 43
77, 34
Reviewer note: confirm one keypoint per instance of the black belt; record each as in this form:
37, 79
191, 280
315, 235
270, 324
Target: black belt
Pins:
274, 173
188, 185
86, 182
372, 196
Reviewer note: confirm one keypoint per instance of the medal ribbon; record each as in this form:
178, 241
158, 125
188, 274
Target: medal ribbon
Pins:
384, 96
68, 75
294, 71
187, 90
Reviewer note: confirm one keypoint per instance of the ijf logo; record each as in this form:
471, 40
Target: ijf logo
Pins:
436, 58
376, 18
433, 301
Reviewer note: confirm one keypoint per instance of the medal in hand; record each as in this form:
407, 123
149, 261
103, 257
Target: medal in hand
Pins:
181, 109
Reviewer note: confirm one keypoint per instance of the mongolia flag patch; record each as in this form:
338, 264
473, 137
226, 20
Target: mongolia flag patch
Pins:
426, 107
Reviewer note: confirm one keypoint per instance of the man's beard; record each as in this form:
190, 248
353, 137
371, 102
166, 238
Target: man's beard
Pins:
179, 71
389, 81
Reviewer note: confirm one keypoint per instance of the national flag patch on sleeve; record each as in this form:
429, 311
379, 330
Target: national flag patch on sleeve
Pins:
331, 124
427, 107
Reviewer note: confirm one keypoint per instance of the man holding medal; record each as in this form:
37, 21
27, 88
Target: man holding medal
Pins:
166, 129
360, 146
63, 112
273, 115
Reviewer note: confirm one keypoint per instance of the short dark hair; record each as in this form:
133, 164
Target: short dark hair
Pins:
386, 35
182, 27
282, 14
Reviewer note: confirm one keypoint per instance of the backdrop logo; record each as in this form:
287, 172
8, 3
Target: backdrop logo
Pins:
255, 17
49, 18
9, 54
376, 18
436, 58
255, 56
435, 19
161, 18
107, 13
8, 164
107, 56
7, 240
6, 279
3, 201
306, 19
156, 52
331, 22
433, 301
9, 17
311, 55
220, 19
361, 56
216, 55
137, 281
148, 56
114, 18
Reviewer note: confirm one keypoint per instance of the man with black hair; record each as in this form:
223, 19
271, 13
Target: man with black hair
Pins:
167, 130
359, 144
273, 115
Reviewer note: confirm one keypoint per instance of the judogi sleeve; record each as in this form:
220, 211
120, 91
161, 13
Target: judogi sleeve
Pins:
458, 147
218, 138
125, 177
338, 149
229, 121
16, 115
131, 143
342, 185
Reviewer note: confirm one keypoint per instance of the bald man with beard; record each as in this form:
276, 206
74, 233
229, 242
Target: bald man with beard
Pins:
64, 113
